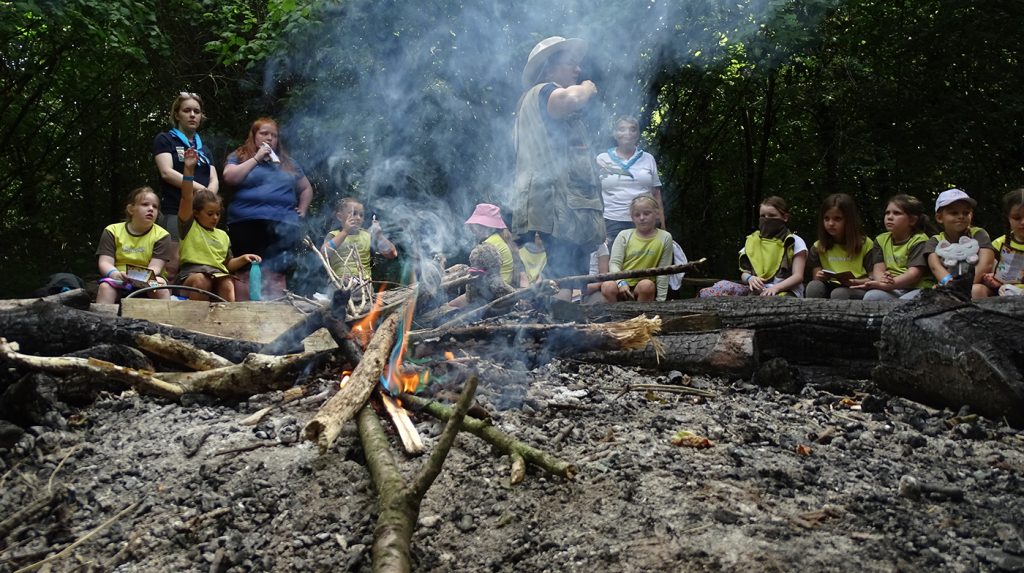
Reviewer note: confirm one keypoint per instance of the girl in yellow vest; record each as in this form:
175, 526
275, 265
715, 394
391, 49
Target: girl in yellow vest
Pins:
206, 261
488, 228
901, 267
137, 242
534, 258
350, 249
842, 255
954, 212
644, 247
772, 260
1008, 276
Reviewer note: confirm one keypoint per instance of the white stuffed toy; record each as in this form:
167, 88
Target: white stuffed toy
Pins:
964, 251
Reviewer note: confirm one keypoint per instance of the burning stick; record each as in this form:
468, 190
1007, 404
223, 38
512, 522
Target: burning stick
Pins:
325, 427
411, 441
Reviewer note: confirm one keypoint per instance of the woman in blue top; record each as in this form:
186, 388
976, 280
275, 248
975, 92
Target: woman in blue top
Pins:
272, 195
169, 155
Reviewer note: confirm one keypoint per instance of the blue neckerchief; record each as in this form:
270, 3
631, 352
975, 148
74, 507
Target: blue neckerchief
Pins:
625, 165
203, 160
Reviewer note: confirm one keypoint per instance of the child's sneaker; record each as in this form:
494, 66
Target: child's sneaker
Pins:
1010, 290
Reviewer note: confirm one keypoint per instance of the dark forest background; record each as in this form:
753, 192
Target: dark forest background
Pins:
409, 105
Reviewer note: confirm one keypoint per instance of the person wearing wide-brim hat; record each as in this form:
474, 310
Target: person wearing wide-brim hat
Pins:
557, 191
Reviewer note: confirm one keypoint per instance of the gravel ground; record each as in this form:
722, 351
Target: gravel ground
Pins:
790, 482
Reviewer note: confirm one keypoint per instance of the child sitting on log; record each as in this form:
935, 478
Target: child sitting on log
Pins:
350, 248
643, 247
842, 255
901, 267
772, 259
1007, 277
136, 242
954, 212
206, 261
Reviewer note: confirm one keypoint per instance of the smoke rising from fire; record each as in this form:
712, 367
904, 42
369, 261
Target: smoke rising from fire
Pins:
409, 106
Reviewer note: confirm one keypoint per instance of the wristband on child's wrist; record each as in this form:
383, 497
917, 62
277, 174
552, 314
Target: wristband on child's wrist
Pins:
748, 277
187, 178
623, 283
330, 243
110, 272
946, 279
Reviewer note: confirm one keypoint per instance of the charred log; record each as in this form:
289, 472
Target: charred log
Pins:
942, 351
730, 352
51, 329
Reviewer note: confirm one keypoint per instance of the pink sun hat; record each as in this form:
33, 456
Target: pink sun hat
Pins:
487, 215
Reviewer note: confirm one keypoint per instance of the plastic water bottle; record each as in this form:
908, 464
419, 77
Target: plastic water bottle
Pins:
255, 282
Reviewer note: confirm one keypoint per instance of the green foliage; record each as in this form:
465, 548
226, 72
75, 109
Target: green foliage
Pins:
739, 100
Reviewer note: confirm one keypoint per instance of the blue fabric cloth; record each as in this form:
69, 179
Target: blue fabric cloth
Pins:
170, 195
267, 193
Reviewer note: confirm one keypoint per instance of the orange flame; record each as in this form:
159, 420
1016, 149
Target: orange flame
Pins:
362, 330
394, 377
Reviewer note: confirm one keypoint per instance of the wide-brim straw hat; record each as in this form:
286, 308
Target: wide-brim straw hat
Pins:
544, 49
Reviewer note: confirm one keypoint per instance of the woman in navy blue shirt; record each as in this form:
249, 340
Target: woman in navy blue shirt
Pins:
271, 198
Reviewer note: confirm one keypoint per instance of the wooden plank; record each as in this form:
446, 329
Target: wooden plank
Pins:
253, 321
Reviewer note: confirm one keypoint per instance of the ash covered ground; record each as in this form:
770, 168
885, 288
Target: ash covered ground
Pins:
792, 482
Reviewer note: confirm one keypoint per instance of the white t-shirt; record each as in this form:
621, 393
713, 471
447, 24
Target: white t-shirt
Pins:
799, 246
602, 251
618, 189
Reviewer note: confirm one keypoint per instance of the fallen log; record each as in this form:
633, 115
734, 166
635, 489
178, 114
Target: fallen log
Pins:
727, 352
634, 333
325, 427
399, 502
47, 328
256, 374
945, 352
76, 298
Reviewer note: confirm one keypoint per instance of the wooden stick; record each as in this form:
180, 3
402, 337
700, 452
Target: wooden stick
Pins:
142, 381
500, 302
587, 279
667, 388
407, 433
497, 438
256, 374
67, 550
325, 427
29, 512
181, 353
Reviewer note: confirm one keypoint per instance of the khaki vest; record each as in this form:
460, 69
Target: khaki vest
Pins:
556, 188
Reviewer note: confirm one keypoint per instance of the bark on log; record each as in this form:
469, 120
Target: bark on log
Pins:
729, 352
944, 352
76, 298
325, 427
256, 374
51, 329
636, 332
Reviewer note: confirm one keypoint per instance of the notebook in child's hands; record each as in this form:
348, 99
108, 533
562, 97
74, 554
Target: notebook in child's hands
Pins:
838, 277
140, 277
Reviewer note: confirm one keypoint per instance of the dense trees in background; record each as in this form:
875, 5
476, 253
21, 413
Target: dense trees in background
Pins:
409, 105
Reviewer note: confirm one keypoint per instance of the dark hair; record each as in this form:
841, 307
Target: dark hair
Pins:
204, 196
1012, 199
777, 202
249, 148
133, 197
915, 208
176, 106
853, 227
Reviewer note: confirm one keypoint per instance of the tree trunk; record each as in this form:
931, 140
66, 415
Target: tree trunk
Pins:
51, 329
941, 351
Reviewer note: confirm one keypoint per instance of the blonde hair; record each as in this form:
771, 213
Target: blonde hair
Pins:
644, 198
134, 196
182, 98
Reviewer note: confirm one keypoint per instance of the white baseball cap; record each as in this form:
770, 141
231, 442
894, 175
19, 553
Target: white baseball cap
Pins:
950, 196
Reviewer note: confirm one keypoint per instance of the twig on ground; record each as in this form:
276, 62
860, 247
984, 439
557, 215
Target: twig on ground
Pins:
70, 548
